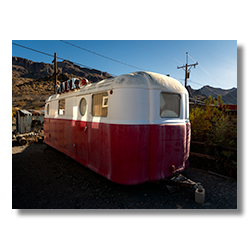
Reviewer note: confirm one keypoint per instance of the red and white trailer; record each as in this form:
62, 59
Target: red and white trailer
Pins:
131, 129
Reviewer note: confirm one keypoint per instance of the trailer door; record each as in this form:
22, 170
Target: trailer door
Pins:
81, 136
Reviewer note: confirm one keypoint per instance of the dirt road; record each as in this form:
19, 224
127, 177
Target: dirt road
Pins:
43, 178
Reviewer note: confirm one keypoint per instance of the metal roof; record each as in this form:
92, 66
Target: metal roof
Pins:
24, 112
36, 112
30, 112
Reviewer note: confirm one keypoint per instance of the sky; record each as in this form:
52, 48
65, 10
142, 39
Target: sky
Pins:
217, 59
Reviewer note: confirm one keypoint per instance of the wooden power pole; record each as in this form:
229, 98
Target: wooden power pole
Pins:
56, 72
187, 70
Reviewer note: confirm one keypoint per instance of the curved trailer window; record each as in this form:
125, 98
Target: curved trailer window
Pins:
83, 106
47, 109
170, 105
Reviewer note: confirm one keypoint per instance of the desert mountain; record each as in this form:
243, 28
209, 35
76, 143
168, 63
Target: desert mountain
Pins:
214, 92
22, 67
229, 96
195, 95
32, 82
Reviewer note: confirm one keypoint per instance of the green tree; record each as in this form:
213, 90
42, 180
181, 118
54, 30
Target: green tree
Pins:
212, 124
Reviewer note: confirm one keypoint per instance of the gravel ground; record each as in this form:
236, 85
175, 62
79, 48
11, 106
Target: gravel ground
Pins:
44, 178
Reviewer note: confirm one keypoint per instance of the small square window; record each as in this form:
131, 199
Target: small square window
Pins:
169, 105
105, 101
61, 107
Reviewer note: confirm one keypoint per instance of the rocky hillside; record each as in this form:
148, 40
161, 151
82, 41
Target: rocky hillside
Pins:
195, 95
229, 96
32, 82
24, 68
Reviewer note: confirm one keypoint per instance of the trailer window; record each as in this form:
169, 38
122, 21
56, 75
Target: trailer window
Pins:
169, 105
100, 104
47, 109
105, 101
61, 107
83, 105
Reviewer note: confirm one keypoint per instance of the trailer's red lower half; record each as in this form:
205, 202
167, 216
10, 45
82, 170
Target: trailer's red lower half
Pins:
169, 149
125, 154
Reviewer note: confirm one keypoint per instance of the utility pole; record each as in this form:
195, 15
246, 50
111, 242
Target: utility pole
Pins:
56, 72
187, 70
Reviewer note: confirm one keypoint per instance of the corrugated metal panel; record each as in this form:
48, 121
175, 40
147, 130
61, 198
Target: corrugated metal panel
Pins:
26, 120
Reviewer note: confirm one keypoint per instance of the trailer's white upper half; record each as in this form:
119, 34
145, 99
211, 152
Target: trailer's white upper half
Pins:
135, 98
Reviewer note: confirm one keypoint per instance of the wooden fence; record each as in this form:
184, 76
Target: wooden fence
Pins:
213, 157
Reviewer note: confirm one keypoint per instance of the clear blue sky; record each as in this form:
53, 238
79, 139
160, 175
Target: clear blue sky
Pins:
217, 58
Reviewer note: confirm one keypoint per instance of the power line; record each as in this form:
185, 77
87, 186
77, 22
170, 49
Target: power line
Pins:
166, 53
32, 49
199, 64
201, 79
153, 52
44, 53
182, 50
101, 55
202, 69
177, 46
216, 81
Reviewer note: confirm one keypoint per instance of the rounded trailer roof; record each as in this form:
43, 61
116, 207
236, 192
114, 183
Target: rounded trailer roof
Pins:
149, 80
140, 79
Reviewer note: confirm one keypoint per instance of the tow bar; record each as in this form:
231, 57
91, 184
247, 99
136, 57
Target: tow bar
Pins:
181, 181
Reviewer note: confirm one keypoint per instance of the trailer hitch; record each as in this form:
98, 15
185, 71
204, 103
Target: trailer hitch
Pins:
180, 181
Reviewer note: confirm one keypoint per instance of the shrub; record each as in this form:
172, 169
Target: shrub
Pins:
199, 124
214, 126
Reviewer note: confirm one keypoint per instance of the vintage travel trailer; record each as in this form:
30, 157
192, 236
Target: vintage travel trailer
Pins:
131, 129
